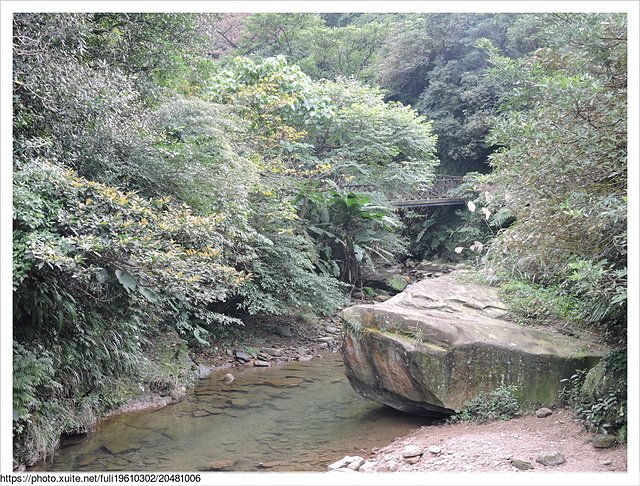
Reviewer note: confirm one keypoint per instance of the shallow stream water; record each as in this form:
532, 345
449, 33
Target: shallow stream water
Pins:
304, 415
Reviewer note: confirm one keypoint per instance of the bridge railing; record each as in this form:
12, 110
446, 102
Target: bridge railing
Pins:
439, 189
434, 193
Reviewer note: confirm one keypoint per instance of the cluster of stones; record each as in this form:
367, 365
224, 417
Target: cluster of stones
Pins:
261, 359
413, 454
266, 356
421, 270
349, 464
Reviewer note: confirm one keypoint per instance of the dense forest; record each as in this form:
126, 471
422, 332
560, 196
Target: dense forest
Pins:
175, 174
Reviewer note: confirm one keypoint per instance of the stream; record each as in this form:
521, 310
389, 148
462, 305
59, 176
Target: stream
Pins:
297, 416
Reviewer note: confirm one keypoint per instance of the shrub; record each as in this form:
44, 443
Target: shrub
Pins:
562, 165
602, 405
500, 404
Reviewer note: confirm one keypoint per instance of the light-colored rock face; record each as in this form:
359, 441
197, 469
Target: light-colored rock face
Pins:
442, 342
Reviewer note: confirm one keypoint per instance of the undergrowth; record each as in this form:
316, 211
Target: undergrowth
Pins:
601, 405
500, 404
64, 390
533, 304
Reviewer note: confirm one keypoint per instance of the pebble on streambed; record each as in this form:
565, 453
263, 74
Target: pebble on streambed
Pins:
346, 464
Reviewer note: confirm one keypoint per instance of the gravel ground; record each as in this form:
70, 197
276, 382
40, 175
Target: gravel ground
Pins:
490, 447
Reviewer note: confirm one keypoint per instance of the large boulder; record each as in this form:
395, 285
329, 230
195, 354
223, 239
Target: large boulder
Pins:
443, 341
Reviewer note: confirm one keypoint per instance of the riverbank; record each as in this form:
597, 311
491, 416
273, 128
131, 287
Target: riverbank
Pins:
501, 446
461, 447
271, 340
281, 340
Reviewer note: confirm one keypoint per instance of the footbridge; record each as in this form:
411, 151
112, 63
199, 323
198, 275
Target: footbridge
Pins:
436, 193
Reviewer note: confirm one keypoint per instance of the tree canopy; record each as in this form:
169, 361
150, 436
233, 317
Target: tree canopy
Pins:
156, 189
562, 165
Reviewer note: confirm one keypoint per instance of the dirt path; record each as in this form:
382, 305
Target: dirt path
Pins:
490, 447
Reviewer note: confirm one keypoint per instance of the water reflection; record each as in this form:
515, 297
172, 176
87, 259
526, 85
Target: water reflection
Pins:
302, 415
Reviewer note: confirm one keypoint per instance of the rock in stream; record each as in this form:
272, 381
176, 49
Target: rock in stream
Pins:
443, 341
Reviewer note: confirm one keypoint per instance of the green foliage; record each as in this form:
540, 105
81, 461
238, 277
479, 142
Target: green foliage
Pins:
602, 287
200, 148
271, 94
284, 280
428, 60
33, 383
535, 304
105, 242
352, 50
562, 168
34, 371
350, 232
340, 130
160, 49
606, 410
500, 404
83, 84
332, 135
96, 269
63, 386
321, 49
419, 336
354, 327
368, 141
431, 62
168, 365
452, 233
271, 34
430, 232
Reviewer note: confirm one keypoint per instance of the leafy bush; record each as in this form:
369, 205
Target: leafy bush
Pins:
84, 83
283, 280
96, 242
500, 404
350, 232
323, 51
431, 232
64, 386
603, 407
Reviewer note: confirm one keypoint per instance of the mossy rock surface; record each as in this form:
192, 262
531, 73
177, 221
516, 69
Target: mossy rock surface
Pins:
386, 282
442, 342
396, 282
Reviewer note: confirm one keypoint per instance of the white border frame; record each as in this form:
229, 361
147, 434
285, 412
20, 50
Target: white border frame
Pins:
630, 7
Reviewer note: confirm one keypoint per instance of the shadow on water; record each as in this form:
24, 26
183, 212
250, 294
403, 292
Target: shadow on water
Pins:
304, 416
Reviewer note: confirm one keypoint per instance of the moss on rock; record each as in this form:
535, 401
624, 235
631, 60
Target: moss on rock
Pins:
463, 350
